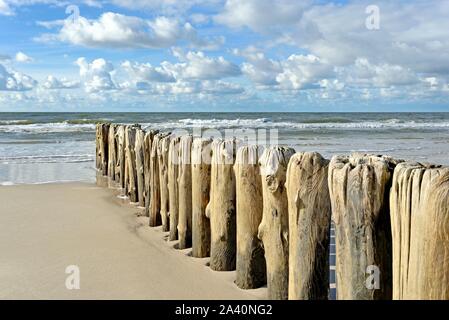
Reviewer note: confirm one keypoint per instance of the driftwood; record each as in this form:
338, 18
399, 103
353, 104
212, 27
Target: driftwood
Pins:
155, 197
173, 191
251, 268
309, 219
120, 160
162, 155
147, 144
273, 229
221, 207
185, 192
359, 188
130, 163
112, 152
140, 154
419, 203
201, 149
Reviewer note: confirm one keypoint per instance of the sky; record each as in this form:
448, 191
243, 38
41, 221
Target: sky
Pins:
224, 55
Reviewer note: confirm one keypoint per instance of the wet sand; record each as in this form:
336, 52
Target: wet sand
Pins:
45, 228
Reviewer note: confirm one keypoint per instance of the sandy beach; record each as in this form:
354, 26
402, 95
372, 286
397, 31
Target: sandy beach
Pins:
45, 228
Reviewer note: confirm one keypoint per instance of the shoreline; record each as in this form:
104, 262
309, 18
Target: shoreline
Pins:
46, 227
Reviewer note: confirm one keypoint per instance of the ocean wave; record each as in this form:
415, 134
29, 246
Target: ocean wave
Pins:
88, 125
306, 124
53, 127
66, 158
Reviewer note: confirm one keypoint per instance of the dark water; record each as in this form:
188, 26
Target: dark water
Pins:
45, 147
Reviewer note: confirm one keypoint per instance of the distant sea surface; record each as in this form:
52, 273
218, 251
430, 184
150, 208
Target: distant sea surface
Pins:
53, 147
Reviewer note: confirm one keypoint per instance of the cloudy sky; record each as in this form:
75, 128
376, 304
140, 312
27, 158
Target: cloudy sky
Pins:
224, 55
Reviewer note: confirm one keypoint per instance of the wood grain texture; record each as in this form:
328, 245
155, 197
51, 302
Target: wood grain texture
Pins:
173, 191
185, 192
359, 188
221, 207
140, 162
201, 173
419, 203
130, 163
112, 152
147, 146
162, 155
273, 229
309, 219
120, 163
251, 266
155, 198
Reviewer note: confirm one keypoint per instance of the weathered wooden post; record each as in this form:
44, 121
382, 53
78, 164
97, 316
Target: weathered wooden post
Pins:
120, 163
185, 192
163, 146
309, 210
173, 191
273, 229
130, 163
140, 154
102, 130
148, 141
112, 153
201, 167
419, 203
221, 207
251, 266
359, 188
155, 202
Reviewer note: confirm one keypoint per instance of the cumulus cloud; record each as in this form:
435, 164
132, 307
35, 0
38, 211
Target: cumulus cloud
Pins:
54, 83
22, 57
121, 31
11, 80
196, 65
261, 15
97, 75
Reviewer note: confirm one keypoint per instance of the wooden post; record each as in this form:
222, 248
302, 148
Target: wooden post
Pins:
148, 140
140, 154
185, 192
130, 163
309, 219
221, 207
419, 203
155, 202
359, 188
273, 229
112, 153
173, 191
201, 167
162, 151
251, 266
102, 131
120, 164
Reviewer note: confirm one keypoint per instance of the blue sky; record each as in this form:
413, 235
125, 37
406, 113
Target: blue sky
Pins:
224, 55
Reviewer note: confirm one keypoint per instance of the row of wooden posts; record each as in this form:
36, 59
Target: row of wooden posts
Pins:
267, 213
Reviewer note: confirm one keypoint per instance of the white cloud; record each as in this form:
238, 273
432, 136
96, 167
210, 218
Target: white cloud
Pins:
121, 31
196, 65
146, 72
261, 15
97, 75
5, 8
165, 6
15, 81
54, 83
22, 57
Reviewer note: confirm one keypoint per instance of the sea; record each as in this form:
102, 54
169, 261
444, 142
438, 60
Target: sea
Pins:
37, 148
